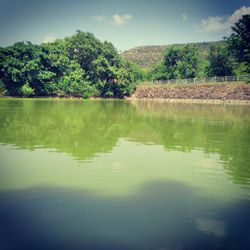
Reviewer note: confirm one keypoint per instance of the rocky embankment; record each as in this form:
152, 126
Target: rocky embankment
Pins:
220, 92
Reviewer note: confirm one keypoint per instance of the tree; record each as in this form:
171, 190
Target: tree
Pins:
239, 42
171, 58
181, 62
126, 77
220, 62
20, 65
83, 48
159, 72
79, 65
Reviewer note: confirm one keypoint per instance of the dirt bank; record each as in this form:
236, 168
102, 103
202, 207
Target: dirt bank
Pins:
212, 92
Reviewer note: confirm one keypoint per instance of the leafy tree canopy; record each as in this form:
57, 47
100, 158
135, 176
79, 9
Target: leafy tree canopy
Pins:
220, 61
239, 40
178, 63
79, 65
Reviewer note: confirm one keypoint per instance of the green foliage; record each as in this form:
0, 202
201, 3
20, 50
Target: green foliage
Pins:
125, 76
147, 56
239, 41
26, 91
79, 65
220, 61
181, 62
202, 68
230, 57
83, 66
178, 63
158, 72
241, 69
172, 58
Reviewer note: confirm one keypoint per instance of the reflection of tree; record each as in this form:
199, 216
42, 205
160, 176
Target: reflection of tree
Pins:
212, 128
76, 127
84, 128
235, 152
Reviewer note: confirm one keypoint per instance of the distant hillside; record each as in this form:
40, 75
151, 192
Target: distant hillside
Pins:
146, 56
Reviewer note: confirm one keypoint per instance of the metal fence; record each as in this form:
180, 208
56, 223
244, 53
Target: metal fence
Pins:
201, 80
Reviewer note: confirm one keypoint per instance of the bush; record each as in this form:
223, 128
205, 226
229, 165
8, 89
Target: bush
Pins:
26, 91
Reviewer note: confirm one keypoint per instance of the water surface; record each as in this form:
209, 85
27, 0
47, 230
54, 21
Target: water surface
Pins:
123, 175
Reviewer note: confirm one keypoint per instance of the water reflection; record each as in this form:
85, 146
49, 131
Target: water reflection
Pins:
128, 166
211, 226
123, 175
86, 128
161, 215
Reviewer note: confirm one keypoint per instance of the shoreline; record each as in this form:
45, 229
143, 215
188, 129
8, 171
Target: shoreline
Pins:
224, 93
192, 101
134, 98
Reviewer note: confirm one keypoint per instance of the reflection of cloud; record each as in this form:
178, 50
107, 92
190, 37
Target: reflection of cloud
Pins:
211, 226
209, 164
48, 39
219, 23
121, 19
117, 167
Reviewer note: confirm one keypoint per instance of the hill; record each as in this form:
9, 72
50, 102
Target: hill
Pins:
146, 56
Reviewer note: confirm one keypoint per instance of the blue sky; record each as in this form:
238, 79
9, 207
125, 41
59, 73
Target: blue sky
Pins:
126, 24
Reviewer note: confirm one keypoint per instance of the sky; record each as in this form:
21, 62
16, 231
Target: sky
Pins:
125, 23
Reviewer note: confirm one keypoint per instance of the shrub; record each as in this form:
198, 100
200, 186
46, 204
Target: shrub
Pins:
26, 91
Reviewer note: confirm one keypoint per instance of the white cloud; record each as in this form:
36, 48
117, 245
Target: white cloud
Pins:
121, 19
236, 16
100, 18
184, 17
219, 23
213, 24
48, 39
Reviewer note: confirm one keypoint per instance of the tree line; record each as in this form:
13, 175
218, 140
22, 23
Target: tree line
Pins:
230, 57
83, 66
80, 66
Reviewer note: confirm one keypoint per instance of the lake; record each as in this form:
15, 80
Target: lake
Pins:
120, 174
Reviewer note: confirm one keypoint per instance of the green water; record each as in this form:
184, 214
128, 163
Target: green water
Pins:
116, 175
